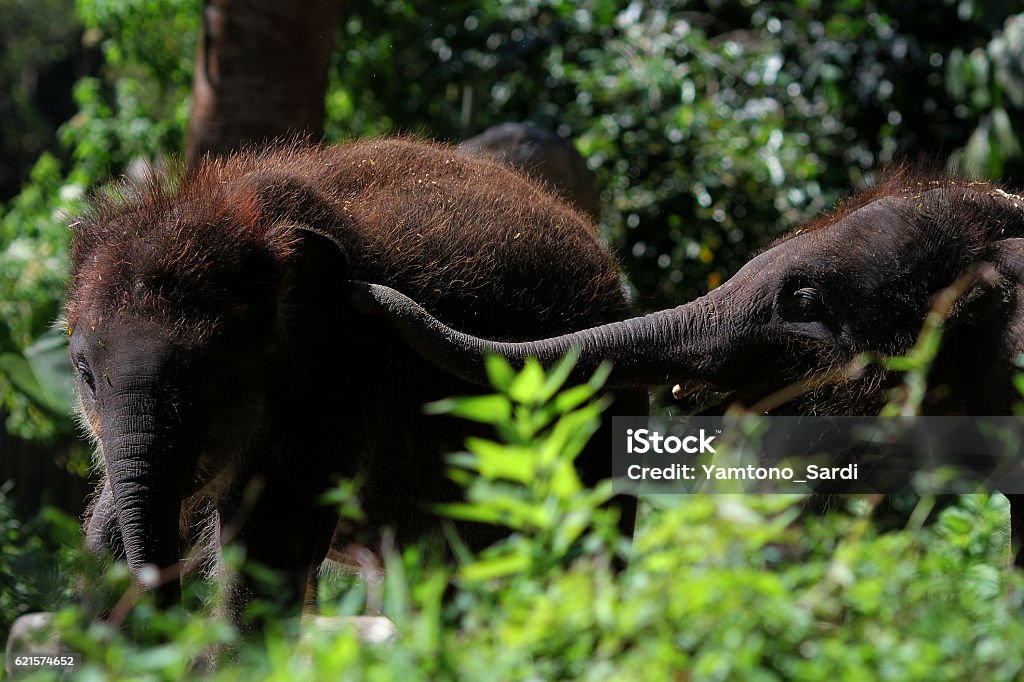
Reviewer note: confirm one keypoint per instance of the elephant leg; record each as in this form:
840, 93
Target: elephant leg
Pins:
288, 532
310, 598
102, 532
1017, 528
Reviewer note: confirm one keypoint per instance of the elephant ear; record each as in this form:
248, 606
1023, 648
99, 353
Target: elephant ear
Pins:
315, 288
284, 199
313, 240
1007, 257
985, 334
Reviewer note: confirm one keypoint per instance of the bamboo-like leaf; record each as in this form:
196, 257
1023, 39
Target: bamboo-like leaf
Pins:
558, 375
495, 567
499, 372
470, 512
495, 460
487, 409
600, 376
526, 387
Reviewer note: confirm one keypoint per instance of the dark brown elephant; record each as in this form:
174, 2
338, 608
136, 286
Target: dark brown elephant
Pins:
860, 280
544, 156
227, 379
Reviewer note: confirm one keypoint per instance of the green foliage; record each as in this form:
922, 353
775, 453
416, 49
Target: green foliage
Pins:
34, 255
40, 373
139, 107
38, 46
527, 481
34, 560
713, 126
35, 385
989, 87
719, 587
136, 109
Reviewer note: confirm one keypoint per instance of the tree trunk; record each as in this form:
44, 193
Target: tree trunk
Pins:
261, 73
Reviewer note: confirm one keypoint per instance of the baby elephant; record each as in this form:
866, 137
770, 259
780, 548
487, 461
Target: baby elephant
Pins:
228, 381
778, 334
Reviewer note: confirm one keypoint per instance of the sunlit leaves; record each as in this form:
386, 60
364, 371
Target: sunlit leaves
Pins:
988, 84
527, 481
723, 587
712, 127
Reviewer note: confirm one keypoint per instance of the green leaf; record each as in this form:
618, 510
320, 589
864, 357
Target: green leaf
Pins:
464, 460
487, 409
495, 460
469, 512
569, 399
43, 373
571, 527
6, 339
571, 433
496, 567
565, 482
601, 493
499, 372
49, 359
601, 375
558, 375
901, 364
516, 513
526, 387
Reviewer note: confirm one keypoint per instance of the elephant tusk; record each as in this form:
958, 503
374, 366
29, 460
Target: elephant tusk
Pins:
685, 390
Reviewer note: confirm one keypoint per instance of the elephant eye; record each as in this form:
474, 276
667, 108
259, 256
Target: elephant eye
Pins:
86, 376
803, 305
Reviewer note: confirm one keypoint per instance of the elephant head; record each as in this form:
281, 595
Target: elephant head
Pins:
859, 280
179, 313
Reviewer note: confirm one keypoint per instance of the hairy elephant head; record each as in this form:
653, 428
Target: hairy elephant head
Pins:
184, 314
859, 280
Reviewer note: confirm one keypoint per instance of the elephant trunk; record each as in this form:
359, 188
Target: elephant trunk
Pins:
148, 471
659, 348
101, 524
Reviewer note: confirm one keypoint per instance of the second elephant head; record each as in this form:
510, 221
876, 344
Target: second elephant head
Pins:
861, 280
